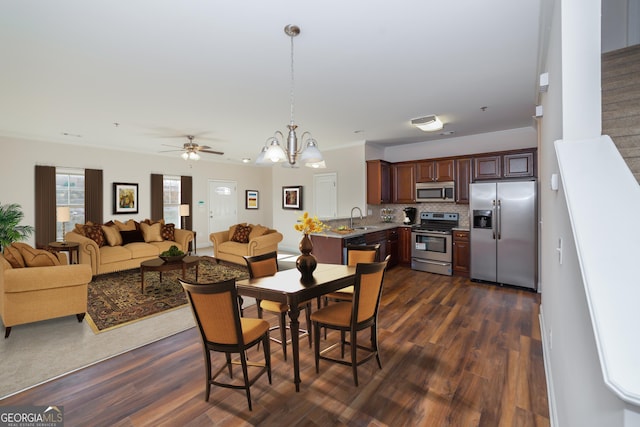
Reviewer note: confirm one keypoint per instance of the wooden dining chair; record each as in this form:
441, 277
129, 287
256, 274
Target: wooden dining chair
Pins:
267, 265
353, 316
355, 255
216, 312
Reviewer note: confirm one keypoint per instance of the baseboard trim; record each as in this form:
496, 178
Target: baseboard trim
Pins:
546, 355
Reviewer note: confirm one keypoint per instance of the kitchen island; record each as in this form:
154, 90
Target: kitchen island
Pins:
330, 246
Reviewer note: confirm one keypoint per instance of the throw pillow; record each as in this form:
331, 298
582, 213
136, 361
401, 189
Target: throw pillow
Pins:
126, 226
131, 236
37, 257
79, 228
94, 232
168, 232
151, 221
241, 233
232, 229
151, 233
14, 257
257, 231
112, 235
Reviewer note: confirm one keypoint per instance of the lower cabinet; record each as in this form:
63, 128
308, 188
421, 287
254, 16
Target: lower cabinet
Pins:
404, 245
461, 253
327, 249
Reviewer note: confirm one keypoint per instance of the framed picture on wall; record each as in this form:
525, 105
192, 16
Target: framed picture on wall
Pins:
125, 198
292, 197
251, 199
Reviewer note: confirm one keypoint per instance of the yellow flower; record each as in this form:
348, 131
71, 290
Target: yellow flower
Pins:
308, 224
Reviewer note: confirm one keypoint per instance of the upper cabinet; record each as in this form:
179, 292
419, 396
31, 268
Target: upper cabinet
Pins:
378, 182
510, 165
463, 179
403, 182
435, 170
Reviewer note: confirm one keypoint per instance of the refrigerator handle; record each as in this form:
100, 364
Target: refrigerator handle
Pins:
499, 220
493, 224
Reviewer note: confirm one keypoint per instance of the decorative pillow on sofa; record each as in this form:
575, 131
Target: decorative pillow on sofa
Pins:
112, 234
94, 232
151, 233
168, 232
131, 236
36, 257
241, 233
14, 257
126, 226
257, 231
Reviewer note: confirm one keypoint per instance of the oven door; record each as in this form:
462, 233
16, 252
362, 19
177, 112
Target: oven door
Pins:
431, 245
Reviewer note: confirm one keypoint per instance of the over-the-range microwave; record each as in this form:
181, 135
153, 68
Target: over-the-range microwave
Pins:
435, 191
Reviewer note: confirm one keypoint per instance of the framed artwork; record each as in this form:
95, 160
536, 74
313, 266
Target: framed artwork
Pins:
292, 197
125, 198
251, 199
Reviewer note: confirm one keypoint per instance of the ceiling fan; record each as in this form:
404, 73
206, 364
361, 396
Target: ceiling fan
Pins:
191, 149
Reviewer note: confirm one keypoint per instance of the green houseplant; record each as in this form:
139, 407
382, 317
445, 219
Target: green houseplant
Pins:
10, 230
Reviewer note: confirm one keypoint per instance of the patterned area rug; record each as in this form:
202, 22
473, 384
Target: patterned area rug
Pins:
115, 299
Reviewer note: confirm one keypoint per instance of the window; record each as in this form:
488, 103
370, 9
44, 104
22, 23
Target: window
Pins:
171, 200
70, 192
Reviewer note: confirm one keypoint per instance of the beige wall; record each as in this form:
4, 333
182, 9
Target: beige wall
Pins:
19, 157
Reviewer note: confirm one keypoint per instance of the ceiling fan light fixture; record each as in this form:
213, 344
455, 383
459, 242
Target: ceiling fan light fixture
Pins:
428, 123
185, 155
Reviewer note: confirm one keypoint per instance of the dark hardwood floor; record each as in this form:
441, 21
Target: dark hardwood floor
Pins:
454, 353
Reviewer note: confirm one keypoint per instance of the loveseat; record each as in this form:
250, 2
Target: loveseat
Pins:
117, 246
244, 240
40, 286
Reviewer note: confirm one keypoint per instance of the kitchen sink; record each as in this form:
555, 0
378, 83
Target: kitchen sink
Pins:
366, 227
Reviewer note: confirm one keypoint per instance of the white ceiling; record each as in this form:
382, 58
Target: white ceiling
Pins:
221, 70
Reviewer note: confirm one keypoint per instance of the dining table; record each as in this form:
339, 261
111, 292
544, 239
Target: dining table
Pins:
286, 286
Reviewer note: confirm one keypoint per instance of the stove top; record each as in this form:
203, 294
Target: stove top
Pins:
437, 221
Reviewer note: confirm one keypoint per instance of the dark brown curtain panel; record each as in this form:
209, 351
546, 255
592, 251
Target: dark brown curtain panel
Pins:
93, 196
45, 227
157, 197
186, 198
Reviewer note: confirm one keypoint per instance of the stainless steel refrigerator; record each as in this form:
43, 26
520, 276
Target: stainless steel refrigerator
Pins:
503, 233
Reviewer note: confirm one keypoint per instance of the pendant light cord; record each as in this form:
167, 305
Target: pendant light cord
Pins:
291, 94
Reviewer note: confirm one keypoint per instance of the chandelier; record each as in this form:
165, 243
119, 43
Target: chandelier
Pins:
272, 152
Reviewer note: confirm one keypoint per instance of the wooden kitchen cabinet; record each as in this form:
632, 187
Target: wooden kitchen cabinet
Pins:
507, 165
519, 165
378, 182
463, 179
403, 183
461, 253
392, 247
487, 167
404, 245
435, 170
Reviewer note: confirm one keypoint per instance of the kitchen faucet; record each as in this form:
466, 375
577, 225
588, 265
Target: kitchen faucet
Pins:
351, 220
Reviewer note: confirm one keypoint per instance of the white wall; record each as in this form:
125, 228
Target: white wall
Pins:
349, 165
620, 24
571, 110
19, 157
512, 139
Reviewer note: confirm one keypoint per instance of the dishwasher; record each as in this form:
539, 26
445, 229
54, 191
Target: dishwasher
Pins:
352, 241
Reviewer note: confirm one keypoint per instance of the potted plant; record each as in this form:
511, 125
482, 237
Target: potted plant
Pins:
10, 230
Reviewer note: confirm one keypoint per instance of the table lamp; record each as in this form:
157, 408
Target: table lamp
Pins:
63, 215
184, 212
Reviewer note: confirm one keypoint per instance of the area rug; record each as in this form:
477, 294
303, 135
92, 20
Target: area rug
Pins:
115, 299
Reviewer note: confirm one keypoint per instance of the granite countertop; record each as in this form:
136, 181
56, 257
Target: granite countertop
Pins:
367, 228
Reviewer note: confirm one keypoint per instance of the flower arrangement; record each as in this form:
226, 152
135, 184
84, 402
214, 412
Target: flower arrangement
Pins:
308, 224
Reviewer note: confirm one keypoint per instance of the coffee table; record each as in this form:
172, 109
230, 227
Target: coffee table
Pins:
160, 265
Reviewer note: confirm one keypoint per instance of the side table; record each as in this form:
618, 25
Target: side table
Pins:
71, 247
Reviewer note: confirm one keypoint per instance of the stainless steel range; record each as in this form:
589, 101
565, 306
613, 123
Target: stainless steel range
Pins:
431, 242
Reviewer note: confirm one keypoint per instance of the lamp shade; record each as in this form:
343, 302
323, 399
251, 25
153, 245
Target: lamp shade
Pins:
63, 214
184, 210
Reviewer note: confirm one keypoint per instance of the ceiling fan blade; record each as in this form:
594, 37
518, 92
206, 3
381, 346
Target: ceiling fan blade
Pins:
174, 146
212, 152
202, 147
169, 151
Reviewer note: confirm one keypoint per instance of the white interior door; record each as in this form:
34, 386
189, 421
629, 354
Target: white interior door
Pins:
325, 196
223, 205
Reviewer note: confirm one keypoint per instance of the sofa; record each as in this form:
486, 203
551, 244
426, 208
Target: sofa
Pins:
244, 240
40, 286
117, 245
